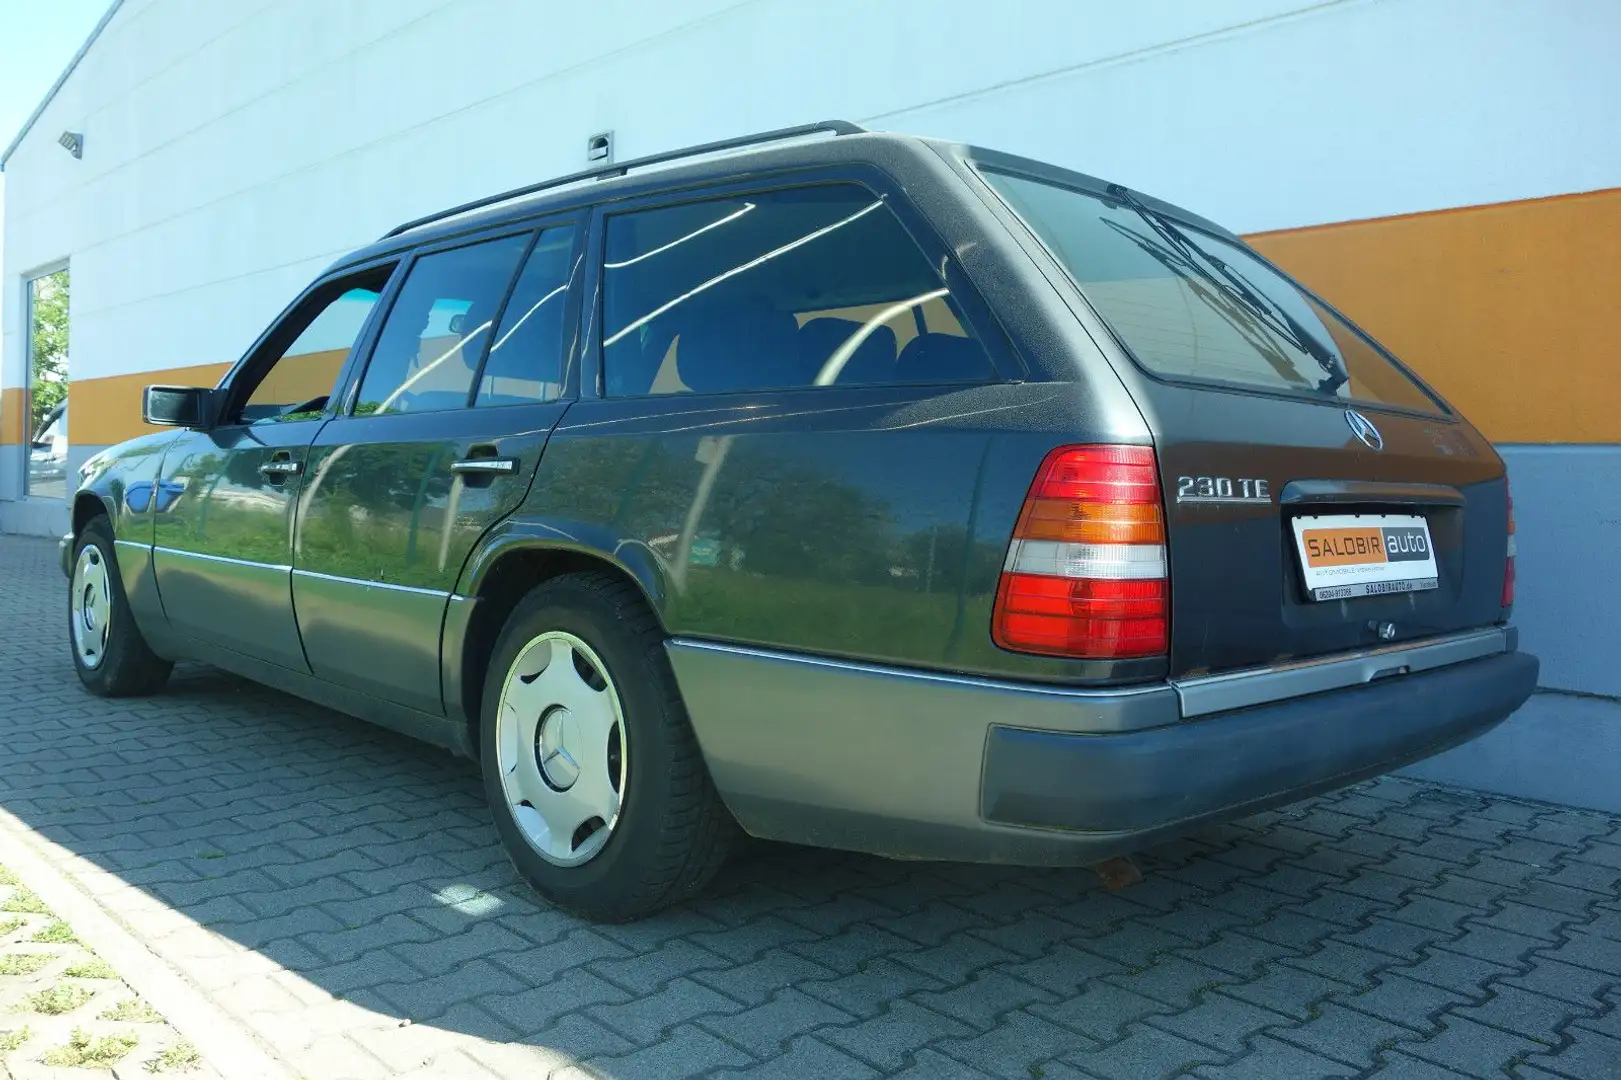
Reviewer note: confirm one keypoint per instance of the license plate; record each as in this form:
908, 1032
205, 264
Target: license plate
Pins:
1346, 555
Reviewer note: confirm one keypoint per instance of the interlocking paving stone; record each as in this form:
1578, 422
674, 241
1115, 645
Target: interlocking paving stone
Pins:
1590, 1056
1270, 1059
1146, 1052
1347, 1035
351, 884
1018, 1047
807, 1057
1471, 1048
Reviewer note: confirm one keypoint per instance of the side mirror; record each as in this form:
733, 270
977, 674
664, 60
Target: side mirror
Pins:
178, 406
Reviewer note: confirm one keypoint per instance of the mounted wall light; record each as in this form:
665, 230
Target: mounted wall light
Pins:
72, 142
599, 148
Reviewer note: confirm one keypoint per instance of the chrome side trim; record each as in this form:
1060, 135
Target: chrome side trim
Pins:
226, 559
976, 682
440, 593
136, 544
1258, 686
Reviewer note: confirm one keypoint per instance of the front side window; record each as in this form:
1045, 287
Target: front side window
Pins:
525, 362
808, 287
298, 383
1191, 305
438, 328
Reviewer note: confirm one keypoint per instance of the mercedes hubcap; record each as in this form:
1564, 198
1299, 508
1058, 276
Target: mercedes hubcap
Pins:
560, 746
91, 607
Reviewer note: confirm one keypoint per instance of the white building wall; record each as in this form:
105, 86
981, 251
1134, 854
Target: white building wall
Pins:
233, 148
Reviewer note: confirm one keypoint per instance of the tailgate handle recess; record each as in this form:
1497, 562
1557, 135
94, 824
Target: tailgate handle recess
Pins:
1300, 492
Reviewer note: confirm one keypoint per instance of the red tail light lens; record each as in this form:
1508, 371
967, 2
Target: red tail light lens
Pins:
1508, 564
1085, 573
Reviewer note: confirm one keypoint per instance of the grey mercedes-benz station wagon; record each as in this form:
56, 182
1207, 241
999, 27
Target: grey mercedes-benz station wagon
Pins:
841, 488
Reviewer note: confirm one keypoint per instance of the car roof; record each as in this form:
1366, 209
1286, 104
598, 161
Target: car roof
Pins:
699, 166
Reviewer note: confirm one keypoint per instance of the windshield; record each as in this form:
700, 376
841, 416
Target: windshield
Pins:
1190, 305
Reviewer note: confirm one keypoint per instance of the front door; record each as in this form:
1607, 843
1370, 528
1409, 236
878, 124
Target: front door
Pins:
440, 441
223, 533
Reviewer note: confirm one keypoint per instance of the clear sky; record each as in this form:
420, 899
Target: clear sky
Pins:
37, 39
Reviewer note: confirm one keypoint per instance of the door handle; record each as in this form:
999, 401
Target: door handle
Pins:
485, 466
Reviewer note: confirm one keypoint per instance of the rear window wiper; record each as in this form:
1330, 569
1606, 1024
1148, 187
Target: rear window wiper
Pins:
1236, 287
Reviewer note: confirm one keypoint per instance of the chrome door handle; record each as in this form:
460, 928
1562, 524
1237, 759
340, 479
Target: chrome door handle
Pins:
281, 468
497, 466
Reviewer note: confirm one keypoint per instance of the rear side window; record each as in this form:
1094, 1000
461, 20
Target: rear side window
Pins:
817, 286
438, 329
1191, 305
525, 363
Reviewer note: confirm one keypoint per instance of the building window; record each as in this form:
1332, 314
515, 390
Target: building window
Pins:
46, 345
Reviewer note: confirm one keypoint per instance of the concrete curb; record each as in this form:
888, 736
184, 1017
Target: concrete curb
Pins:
222, 1041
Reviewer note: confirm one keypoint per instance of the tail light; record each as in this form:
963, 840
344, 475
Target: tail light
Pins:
1085, 574
1508, 564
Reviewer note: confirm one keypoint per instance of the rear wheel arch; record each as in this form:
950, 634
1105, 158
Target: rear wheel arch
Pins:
500, 588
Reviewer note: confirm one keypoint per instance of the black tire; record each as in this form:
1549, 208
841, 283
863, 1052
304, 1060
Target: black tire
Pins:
673, 832
127, 666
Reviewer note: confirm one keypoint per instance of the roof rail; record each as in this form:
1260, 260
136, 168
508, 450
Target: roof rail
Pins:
602, 172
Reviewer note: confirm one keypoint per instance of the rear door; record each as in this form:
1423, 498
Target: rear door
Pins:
437, 441
1319, 498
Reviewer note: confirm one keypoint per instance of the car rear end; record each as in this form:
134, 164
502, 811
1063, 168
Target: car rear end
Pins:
1248, 556
1319, 547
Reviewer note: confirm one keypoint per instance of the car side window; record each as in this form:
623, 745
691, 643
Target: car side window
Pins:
525, 362
298, 383
805, 287
438, 328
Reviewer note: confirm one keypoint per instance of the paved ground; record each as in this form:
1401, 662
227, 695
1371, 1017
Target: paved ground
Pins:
340, 892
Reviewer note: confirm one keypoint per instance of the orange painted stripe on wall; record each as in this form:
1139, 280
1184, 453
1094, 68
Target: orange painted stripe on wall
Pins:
13, 416
1509, 310
108, 410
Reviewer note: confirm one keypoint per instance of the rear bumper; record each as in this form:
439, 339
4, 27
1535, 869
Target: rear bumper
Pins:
64, 553
1231, 763
916, 765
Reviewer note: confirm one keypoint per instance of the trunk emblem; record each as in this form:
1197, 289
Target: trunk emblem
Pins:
1363, 429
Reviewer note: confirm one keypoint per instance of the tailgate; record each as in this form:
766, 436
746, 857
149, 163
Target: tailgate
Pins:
1275, 508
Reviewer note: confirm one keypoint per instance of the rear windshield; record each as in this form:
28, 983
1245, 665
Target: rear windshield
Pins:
1192, 306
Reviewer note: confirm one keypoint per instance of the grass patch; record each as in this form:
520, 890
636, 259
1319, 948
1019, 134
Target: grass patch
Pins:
134, 1010
8, 925
57, 933
24, 901
24, 963
81, 1050
10, 1040
181, 1057
59, 999
94, 968
7, 877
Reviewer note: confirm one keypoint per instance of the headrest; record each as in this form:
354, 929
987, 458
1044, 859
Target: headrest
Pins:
873, 361
736, 347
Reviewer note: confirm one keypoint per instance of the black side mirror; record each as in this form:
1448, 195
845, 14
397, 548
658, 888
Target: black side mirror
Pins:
178, 406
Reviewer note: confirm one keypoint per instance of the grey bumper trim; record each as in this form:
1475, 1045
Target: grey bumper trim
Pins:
1098, 710
1243, 689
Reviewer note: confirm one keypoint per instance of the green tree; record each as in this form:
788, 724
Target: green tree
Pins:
49, 349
